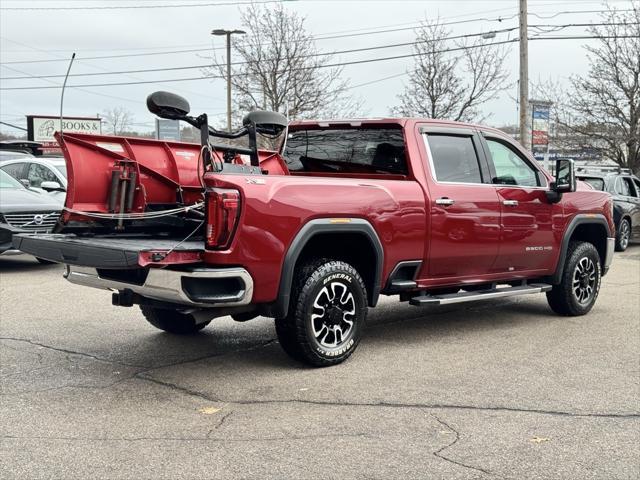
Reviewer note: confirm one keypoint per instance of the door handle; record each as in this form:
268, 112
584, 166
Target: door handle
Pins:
510, 203
445, 201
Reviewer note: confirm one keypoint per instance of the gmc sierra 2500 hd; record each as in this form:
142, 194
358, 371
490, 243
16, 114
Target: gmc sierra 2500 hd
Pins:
311, 222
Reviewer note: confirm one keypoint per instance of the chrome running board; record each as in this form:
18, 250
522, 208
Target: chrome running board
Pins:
492, 293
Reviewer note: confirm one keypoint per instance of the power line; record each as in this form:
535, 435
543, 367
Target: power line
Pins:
13, 126
320, 54
355, 50
139, 7
328, 65
195, 50
319, 37
333, 65
173, 5
99, 68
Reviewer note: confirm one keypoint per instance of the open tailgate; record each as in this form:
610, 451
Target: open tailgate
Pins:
110, 252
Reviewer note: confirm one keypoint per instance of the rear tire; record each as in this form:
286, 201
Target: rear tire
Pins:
623, 236
580, 284
172, 321
327, 313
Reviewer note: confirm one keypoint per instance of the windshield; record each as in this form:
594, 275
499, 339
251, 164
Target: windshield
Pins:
595, 182
7, 181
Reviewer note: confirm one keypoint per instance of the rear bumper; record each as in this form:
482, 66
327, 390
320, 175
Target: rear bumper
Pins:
202, 287
608, 258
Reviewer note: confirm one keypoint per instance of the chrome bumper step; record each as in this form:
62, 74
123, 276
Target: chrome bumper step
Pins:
461, 297
200, 287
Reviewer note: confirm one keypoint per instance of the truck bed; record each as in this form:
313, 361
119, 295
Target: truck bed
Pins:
109, 252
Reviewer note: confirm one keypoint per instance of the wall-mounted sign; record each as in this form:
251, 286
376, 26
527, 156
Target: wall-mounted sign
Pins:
40, 128
540, 125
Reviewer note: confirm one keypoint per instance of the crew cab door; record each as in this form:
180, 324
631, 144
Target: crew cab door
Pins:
527, 241
464, 210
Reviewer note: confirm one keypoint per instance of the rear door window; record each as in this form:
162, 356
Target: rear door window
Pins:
633, 191
355, 150
454, 158
16, 170
623, 186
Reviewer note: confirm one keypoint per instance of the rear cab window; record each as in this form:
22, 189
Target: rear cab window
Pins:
346, 150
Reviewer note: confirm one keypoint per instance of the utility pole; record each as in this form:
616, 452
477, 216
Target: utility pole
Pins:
524, 76
228, 33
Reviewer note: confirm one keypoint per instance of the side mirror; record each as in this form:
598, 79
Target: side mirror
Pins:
25, 182
565, 176
51, 187
168, 105
269, 123
565, 180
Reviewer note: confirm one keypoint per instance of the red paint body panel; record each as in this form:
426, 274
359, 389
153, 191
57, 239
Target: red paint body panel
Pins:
274, 212
477, 239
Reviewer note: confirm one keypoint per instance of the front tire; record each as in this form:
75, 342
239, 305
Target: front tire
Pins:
327, 313
172, 321
580, 284
623, 236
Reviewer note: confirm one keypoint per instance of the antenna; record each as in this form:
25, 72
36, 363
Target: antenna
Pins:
64, 84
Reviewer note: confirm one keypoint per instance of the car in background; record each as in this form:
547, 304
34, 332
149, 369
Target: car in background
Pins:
624, 186
13, 155
21, 146
46, 174
24, 211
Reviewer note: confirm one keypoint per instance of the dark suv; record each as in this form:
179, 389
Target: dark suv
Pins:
624, 186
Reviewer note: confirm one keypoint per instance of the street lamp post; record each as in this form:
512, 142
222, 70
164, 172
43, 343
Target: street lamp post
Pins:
228, 33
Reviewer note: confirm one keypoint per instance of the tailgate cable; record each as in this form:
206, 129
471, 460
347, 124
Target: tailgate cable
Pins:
159, 256
136, 215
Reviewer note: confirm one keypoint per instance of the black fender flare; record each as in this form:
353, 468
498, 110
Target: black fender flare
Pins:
580, 219
319, 226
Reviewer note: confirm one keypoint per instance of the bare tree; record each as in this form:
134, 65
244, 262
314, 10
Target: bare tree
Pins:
117, 120
452, 85
280, 68
603, 107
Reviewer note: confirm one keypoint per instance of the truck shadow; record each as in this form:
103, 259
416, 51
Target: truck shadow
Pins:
401, 324
23, 263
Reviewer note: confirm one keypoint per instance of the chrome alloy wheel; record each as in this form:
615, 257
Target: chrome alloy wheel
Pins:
584, 280
334, 310
625, 234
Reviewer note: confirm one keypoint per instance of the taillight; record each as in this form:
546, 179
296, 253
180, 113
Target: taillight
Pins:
223, 212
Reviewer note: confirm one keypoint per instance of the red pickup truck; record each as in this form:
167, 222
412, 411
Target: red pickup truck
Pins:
310, 222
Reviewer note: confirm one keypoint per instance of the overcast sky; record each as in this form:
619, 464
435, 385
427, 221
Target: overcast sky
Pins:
49, 34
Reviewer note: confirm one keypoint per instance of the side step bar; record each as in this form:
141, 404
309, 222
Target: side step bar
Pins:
452, 298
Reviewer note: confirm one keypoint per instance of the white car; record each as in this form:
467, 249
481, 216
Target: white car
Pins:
45, 174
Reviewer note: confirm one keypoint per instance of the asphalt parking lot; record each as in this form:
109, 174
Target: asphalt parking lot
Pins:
502, 389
